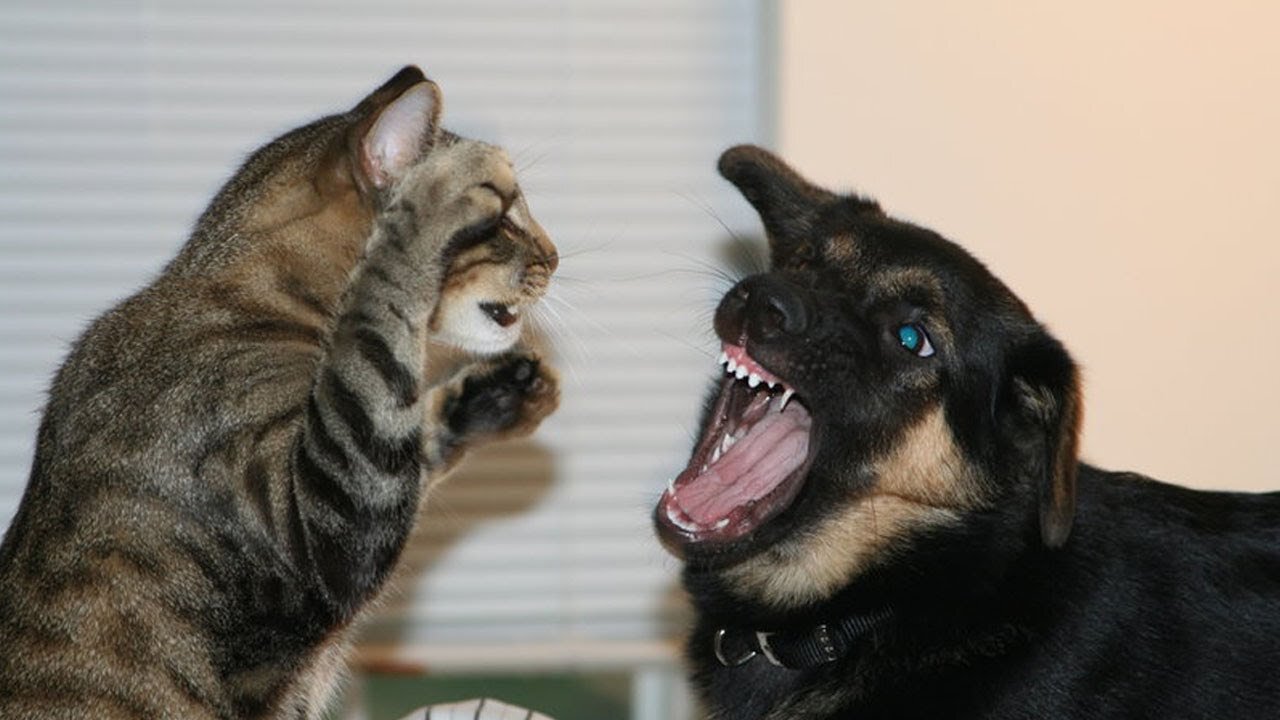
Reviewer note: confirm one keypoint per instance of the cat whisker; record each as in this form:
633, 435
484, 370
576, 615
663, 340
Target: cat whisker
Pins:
708, 268
703, 205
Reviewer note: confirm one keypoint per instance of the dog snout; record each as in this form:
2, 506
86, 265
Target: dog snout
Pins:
776, 309
764, 308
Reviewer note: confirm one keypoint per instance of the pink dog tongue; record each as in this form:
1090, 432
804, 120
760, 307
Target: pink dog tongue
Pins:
773, 448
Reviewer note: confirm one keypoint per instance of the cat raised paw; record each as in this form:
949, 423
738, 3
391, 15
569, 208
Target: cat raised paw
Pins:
507, 396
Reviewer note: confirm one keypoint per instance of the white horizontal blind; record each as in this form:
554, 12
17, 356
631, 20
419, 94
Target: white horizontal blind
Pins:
118, 120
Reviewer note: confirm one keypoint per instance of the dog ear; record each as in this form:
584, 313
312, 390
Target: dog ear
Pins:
790, 207
1045, 411
787, 203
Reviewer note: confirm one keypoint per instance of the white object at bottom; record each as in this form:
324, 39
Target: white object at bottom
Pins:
484, 709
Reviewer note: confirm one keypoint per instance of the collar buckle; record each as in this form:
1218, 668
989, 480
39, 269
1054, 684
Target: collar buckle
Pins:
796, 649
762, 640
719, 648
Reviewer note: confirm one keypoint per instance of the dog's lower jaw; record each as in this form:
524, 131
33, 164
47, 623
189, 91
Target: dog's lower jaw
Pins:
923, 485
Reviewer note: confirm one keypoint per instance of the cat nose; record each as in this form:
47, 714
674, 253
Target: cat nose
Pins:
550, 256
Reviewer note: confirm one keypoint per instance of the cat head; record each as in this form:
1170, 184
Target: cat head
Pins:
295, 218
489, 284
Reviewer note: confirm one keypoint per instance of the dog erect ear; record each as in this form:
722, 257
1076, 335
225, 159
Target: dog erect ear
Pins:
398, 123
1046, 411
789, 205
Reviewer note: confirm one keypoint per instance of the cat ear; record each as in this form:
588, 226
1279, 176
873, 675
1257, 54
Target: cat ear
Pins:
400, 122
402, 132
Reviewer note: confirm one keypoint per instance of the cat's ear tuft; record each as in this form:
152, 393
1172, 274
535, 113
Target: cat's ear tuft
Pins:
400, 134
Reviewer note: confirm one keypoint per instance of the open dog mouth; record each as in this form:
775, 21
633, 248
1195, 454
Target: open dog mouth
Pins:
749, 464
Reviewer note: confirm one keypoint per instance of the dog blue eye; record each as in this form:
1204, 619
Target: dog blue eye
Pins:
912, 337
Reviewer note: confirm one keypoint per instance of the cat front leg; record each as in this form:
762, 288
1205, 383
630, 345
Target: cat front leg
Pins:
357, 465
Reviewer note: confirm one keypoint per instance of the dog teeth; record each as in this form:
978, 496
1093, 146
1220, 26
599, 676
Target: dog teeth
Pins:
730, 365
720, 525
753, 380
675, 519
741, 372
723, 360
786, 397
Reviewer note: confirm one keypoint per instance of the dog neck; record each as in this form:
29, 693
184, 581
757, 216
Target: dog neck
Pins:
797, 648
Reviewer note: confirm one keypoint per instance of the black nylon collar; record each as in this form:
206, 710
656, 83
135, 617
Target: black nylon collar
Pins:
796, 649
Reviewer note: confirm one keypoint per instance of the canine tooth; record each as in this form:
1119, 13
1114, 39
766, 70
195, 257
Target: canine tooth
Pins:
786, 397
730, 365
720, 525
723, 359
753, 380
675, 519
725, 443
715, 454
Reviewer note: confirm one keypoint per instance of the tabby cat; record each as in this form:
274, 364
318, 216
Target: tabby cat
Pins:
231, 460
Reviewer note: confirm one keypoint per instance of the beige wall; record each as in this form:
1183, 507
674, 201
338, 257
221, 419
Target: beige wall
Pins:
1118, 164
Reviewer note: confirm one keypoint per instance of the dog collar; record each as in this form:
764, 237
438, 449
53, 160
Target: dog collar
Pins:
796, 649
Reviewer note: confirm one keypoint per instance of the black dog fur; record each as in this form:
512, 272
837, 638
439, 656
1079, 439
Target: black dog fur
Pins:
943, 498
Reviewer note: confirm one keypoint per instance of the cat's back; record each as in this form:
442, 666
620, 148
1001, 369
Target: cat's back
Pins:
150, 569
114, 570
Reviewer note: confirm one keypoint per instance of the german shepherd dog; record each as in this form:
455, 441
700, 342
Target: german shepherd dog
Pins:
886, 516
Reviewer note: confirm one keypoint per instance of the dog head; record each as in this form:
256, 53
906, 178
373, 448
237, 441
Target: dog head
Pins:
879, 385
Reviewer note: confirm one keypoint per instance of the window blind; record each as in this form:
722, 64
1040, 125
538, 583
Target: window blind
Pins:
119, 119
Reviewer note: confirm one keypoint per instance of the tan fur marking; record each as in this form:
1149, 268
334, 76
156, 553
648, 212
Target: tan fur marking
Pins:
925, 482
928, 468
842, 250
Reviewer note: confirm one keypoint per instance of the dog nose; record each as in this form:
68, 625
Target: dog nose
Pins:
775, 307
764, 307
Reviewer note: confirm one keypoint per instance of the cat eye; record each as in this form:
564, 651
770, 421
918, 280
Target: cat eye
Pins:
913, 337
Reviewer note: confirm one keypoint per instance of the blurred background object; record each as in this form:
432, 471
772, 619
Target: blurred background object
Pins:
1115, 164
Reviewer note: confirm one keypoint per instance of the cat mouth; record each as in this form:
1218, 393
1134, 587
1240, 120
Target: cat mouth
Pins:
748, 466
503, 314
